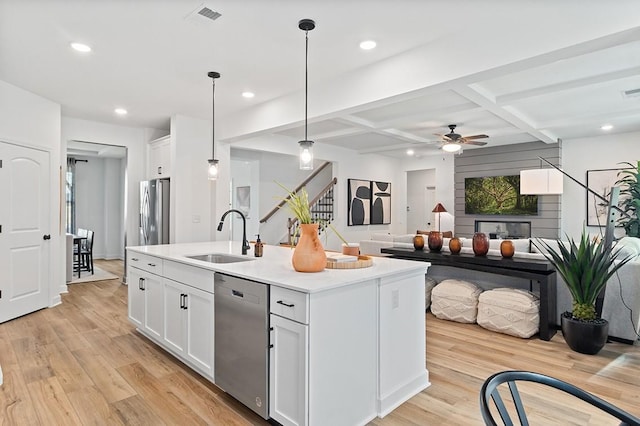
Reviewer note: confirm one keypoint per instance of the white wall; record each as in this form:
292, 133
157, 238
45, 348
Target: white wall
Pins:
580, 155
346, 165
100, 204
244, 173
190, 189
30, 120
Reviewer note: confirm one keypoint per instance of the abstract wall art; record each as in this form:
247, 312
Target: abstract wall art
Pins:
380, 203
369, 202
359, 201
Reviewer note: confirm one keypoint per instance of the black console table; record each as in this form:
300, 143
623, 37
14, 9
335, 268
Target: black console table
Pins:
533, 269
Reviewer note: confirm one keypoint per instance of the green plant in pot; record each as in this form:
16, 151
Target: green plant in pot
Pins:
629, 182
585, 268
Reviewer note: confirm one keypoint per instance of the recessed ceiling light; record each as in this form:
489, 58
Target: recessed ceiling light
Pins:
81, 47
120, 111
410, 152
367, 45
248, 95
606, 127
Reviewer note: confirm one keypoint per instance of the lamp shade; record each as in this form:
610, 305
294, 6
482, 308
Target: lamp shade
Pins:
540, 182
451, 147
439, 208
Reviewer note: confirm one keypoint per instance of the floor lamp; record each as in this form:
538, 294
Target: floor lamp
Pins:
439, 208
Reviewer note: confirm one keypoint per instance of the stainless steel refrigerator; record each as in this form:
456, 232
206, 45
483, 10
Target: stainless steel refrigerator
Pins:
154, 212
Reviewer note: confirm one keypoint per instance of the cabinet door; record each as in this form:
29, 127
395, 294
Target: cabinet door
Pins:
136, 297
153, 302
199, 318
174, 324
288, 372
159, 158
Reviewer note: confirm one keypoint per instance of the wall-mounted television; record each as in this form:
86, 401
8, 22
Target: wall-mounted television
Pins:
497, 195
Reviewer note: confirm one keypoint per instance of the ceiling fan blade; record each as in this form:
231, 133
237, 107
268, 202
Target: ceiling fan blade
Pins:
476, 137
464, 141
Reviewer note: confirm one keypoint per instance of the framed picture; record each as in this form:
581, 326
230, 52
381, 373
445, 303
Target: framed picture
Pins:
243, 200
380, 203
359, 202
600, 181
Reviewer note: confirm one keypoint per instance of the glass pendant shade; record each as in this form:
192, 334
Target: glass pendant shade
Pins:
306, 155
451, 147
213, 169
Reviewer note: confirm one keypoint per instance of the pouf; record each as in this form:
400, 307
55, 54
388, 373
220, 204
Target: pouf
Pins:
455, 300
429, 284
509, 311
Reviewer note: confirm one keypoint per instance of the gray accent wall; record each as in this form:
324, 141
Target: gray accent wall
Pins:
503, 161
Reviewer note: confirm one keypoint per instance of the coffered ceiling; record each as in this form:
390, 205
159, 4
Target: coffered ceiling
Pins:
516, 71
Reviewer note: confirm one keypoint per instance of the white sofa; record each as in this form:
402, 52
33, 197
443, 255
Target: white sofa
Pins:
619, 292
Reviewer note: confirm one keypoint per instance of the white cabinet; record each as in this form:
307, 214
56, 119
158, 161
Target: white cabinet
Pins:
159, 158
145, 298
288, 372
188, 332
172, 304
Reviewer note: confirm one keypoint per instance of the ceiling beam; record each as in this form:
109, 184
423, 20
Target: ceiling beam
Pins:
567, 85
476, 93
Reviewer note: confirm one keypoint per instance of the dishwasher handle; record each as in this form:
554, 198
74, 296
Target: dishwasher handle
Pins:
237, 293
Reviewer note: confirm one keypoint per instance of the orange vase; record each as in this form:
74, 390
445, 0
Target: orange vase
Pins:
455, 245
480, 243
507, 249
309, 256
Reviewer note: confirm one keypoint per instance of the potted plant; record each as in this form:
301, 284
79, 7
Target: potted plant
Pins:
308, 255
629, 183
585, 268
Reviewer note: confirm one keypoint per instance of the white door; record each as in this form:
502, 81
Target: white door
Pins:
25, 235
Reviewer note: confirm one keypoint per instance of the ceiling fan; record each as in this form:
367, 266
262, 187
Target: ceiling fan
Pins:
453, 141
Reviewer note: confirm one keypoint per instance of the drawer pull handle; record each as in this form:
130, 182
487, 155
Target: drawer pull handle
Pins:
153, 265
288, 305
135, 259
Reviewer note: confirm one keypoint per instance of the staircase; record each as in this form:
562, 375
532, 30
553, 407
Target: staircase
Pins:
321, 212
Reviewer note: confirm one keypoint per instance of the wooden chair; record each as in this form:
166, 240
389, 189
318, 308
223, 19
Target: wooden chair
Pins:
86, 253
490, 391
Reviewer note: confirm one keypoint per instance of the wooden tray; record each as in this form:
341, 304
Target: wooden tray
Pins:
362, 262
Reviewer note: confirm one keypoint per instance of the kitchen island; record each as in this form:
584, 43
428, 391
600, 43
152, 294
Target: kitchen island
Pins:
345, 345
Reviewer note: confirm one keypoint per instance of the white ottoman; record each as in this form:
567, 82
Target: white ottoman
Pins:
429, 284
455, 300
509, 311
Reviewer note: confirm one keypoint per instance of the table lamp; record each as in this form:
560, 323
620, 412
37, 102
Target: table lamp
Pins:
439, 208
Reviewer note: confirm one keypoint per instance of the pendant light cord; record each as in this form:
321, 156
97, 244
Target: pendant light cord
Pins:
213, 120
306, 81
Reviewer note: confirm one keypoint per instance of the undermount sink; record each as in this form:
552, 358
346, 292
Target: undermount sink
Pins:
219, 258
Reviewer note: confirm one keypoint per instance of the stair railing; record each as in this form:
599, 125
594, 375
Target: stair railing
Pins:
321, 208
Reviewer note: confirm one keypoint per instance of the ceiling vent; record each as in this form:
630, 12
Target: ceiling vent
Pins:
203, 14
633, 93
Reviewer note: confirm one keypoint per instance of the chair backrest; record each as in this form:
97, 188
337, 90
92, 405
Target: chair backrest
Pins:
490, 391
82, 232
89, 245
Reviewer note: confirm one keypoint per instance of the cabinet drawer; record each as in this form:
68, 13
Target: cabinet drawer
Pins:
289, 304
145, 262
190, 275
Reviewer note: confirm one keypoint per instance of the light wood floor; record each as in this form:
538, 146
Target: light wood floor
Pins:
83, 363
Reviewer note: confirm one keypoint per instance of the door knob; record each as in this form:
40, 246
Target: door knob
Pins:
46, 237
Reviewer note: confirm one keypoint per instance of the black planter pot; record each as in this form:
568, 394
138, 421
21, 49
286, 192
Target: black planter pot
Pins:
582, 336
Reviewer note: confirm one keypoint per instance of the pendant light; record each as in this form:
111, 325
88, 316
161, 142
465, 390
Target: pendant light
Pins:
213, 163
306, 146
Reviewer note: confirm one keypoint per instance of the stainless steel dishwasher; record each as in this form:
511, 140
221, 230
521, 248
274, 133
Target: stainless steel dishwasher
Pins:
242, 340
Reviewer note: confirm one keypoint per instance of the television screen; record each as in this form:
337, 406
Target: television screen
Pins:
497, 195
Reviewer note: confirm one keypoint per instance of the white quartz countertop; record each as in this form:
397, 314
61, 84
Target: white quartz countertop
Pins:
275, 268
